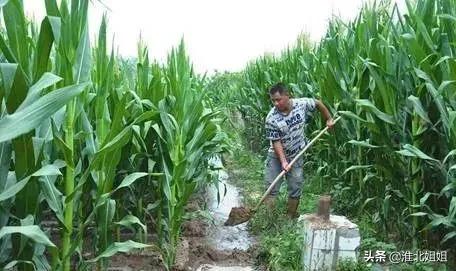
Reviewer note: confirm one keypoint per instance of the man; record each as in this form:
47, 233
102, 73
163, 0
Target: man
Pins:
285, 125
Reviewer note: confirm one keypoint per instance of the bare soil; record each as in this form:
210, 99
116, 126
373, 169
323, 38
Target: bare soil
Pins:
194, 250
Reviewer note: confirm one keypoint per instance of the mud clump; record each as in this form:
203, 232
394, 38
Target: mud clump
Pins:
202, 253
217, 255
182, 256
192, 206
229, 257
194, 228
318, 222
123, 261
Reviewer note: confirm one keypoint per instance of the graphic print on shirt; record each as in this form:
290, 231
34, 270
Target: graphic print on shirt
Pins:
290, 128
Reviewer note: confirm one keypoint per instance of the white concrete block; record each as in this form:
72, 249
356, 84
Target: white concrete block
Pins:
346, 255
348, 243
325, 243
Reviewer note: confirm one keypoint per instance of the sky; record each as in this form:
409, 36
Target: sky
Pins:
221, 35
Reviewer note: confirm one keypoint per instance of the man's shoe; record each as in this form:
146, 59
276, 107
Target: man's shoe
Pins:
269, 202
292, 207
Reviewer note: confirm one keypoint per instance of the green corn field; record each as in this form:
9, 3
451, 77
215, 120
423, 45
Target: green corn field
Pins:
99, 144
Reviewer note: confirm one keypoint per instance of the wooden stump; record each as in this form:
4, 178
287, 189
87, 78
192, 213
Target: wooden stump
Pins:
324, 203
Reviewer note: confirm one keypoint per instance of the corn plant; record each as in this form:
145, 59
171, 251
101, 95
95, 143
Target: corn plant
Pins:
108, 124
392, 77
24, 83
180, 143
80, 127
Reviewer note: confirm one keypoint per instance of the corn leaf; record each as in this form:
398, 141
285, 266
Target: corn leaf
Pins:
43, 51
47, 170
363, 144
119, 247
416, 103
130, 220
128, 180
33, 115
32, 231
46, 80
53, 196
412, 151
371, 107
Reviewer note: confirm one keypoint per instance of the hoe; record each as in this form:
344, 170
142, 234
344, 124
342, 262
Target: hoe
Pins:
239, 215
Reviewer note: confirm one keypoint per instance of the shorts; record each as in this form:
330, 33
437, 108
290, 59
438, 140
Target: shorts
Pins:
294, 176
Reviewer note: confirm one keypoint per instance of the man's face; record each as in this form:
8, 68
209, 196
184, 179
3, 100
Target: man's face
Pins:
280, 101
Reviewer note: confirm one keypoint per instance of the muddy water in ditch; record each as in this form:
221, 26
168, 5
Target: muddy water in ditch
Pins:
225, 238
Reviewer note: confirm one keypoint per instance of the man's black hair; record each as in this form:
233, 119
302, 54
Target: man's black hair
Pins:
281, 88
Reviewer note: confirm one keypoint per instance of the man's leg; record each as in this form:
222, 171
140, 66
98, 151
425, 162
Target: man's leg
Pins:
295, 179
272, 170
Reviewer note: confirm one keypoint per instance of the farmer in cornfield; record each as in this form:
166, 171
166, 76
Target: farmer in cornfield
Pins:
285, 124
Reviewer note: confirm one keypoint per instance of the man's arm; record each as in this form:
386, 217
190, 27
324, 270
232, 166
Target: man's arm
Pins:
278, 149
325, 113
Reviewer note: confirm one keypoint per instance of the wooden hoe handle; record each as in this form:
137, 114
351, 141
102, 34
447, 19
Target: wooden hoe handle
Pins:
292, 162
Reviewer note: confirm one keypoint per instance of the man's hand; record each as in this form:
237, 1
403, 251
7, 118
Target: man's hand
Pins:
278, 148
325, 114
285, 166
330, 123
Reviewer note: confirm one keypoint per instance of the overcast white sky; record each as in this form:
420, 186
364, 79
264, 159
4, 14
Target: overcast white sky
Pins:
219, 34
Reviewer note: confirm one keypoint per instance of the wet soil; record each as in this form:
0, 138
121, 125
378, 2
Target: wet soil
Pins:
131, 261
212, 243
195, 251
204, 244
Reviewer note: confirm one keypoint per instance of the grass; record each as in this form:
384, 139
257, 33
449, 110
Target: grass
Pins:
396, 93
388, 73
280, 241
